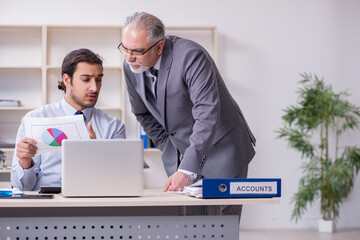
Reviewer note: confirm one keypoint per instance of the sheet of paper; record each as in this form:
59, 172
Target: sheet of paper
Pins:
49, 132
193, 190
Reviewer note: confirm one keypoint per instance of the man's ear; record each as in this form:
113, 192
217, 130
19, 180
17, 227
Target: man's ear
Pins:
160, 47
66, 80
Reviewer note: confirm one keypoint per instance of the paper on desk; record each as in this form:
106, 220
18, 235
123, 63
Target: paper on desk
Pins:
194, 190
49, 132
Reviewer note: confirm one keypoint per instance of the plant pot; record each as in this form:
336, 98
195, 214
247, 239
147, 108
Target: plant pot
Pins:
326, 226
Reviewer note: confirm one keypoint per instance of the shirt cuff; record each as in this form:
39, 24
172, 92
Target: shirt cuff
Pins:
190, 175
28, 180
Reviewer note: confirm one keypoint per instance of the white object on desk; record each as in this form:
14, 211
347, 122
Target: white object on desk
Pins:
102, 167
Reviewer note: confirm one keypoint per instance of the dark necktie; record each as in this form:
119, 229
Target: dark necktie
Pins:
80, 113
154, 72
150, 87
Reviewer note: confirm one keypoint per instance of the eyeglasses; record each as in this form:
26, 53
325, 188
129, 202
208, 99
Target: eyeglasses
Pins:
124, 50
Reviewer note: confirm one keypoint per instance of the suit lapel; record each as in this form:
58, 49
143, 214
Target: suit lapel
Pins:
140, 79
165, 66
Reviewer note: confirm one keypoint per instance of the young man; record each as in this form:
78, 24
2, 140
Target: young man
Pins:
179, 97
82, 74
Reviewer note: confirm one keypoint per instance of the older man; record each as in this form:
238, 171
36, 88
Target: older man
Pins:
177, 94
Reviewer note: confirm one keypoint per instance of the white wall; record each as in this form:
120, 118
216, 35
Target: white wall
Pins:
263, 46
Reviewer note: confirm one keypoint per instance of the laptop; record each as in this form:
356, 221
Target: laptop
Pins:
102, 167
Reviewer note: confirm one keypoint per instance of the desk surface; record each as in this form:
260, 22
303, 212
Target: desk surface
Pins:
150, 197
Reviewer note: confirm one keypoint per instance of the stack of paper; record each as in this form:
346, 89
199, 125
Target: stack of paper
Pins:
194, 190
9, 103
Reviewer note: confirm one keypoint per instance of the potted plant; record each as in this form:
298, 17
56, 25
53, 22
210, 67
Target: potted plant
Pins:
330, 169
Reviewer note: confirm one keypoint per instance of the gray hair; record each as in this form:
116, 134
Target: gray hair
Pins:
152, 24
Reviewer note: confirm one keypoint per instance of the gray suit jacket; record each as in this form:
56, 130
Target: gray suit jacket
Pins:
199, 123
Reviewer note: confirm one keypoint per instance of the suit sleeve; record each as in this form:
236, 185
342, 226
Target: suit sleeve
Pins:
201, 78
150, 125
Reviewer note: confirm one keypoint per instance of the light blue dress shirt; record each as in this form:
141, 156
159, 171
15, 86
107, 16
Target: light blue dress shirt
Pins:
46, 169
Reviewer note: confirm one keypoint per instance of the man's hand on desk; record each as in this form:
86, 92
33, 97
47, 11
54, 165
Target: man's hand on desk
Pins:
177, 182
25, 151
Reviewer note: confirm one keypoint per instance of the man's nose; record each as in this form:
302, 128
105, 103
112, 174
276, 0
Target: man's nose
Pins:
130, 57
93, 86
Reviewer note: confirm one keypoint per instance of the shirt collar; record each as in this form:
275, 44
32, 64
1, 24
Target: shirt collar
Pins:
157, 64
70, 110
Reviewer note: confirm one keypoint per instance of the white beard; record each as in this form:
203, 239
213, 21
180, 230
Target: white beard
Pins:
141, 69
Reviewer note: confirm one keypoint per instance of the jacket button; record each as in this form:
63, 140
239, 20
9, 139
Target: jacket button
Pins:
172, 133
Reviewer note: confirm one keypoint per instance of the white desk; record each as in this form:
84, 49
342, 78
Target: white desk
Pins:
155, 215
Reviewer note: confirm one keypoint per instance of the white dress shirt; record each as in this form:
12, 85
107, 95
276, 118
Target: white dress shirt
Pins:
46, 169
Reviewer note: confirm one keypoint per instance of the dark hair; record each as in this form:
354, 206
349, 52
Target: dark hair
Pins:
72, 59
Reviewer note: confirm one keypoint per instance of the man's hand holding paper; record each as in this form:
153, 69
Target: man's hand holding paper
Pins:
47, 133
